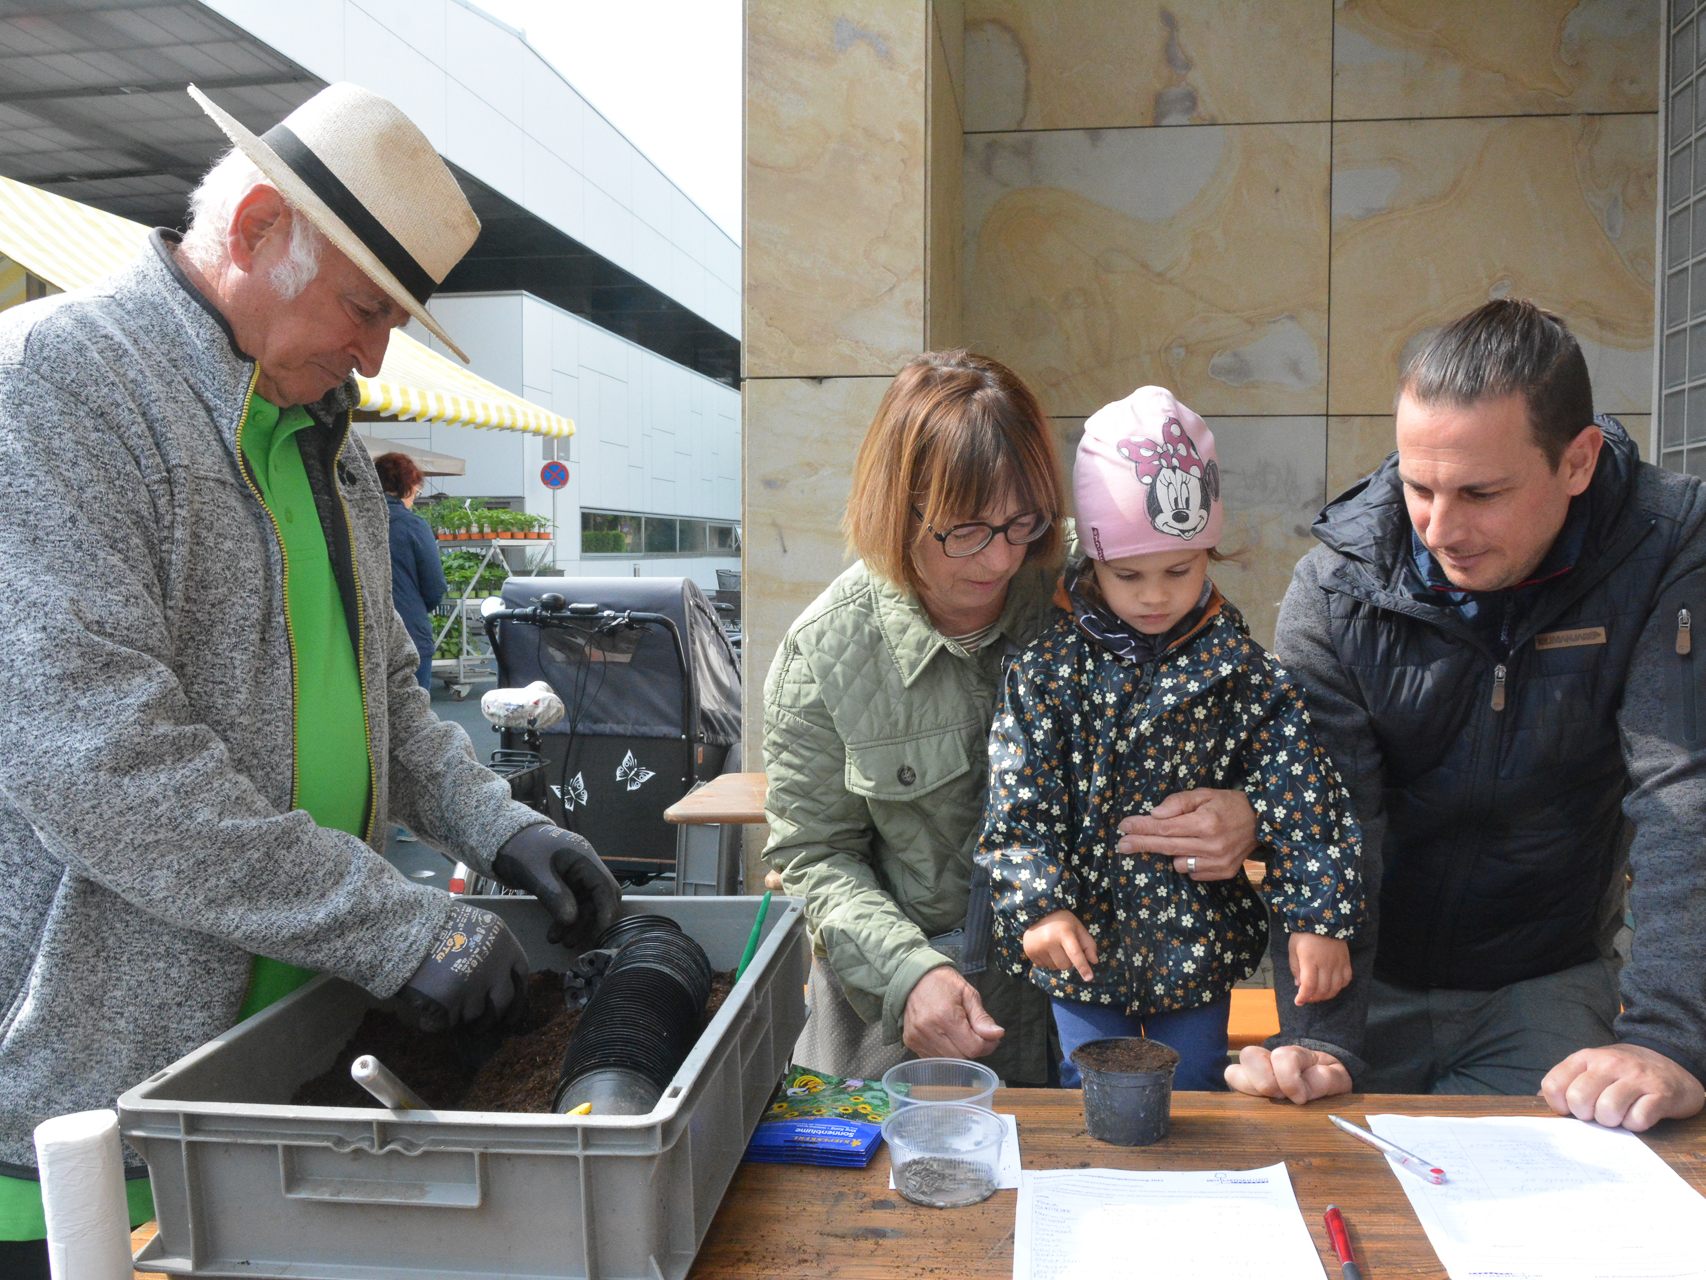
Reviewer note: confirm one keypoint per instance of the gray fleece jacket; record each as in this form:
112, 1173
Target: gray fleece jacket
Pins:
148, 844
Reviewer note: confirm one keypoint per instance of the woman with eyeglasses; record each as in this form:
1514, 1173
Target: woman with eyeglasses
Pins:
876, 719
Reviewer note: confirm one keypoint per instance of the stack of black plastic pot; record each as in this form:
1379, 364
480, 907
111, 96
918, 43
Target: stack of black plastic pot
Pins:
641, 1021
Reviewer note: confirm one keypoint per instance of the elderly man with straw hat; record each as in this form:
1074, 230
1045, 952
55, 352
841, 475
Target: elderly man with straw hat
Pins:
213, 707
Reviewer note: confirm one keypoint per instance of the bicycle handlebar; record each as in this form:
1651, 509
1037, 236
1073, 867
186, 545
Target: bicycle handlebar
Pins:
553, 611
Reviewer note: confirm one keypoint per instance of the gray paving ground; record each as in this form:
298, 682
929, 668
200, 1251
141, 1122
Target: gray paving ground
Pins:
417, 858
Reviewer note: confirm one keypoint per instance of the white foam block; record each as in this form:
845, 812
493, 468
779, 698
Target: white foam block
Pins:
82, 1192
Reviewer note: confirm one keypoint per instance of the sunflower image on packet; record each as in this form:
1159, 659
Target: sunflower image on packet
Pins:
818, 1118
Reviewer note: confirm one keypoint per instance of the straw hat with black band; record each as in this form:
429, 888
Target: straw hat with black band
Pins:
368, 179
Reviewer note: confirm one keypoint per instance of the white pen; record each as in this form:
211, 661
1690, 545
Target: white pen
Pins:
1409, 1159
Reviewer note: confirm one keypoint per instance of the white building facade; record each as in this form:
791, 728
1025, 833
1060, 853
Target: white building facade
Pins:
656, 454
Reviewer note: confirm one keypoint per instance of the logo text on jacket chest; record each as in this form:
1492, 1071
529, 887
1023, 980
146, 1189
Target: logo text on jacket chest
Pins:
1572, 639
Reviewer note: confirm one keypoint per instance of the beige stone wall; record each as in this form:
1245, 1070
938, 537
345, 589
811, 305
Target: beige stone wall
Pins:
1260, 205
1263, 205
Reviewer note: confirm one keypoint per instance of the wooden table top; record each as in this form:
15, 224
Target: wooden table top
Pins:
796, 1220
730, 797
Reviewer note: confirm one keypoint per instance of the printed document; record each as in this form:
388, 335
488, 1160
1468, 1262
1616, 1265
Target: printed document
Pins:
1074, 1223
1549, 1198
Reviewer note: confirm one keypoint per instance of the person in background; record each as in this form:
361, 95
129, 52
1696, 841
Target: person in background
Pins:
1150, 683
214, 706
417, 576
1496, 636
876, 721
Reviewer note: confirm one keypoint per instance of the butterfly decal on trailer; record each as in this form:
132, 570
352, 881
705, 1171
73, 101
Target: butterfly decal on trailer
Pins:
573, 792
630, 772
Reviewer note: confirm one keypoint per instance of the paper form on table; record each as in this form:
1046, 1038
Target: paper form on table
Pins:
1084, 1222
1551, 1197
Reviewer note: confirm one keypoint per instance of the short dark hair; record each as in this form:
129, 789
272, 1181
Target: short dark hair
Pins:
398, 474
1508, 347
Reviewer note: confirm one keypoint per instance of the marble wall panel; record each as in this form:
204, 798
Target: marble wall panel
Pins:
1111, 63
1433, 217
1356, 445
799, 437
1414, 58
945, 188
1100, 260
1273, 476
836, 151
950, 20
1640, 429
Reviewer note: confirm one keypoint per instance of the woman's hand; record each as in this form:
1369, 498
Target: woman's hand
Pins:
1060, 941
1321, 966
945, 1018
1206, 832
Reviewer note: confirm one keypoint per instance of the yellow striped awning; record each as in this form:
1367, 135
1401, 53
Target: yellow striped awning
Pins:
71, 245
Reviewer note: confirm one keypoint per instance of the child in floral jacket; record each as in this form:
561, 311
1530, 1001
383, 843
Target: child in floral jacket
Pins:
1151, 685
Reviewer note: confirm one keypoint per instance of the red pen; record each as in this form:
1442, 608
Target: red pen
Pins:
1341, 1242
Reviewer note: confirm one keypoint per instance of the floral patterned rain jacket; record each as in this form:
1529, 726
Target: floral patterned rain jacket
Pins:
1085, 738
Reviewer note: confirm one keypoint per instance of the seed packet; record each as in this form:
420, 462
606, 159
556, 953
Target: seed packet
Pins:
818, 1118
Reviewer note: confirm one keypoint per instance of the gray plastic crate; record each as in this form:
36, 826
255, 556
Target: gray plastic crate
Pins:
247, 1185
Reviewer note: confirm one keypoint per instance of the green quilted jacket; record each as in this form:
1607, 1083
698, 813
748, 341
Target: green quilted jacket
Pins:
876, 733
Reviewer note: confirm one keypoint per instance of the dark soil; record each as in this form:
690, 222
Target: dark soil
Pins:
1126, 1053
454, 1071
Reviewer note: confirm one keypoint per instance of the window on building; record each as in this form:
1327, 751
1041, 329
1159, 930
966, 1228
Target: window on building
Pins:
1682, 288
660, 535
633, 534
606, 533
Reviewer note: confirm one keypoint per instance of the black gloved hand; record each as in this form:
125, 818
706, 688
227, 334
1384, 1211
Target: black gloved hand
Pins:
565, 873
474, 976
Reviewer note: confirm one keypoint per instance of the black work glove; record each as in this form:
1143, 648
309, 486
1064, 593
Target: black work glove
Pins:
565, 873
474, 976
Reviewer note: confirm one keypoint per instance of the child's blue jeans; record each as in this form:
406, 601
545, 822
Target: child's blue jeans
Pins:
1198, 1034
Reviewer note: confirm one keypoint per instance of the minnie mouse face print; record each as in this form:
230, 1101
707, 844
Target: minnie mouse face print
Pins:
1181, 488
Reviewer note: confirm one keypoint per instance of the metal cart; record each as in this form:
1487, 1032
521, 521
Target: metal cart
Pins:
461, 613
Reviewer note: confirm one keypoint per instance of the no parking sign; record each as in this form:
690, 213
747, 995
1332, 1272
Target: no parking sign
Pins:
554, 475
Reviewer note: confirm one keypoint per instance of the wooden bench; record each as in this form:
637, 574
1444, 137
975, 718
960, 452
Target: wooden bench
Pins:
1254, 1017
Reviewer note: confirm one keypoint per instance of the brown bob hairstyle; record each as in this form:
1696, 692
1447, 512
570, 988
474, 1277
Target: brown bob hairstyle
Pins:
398, 474
956, 436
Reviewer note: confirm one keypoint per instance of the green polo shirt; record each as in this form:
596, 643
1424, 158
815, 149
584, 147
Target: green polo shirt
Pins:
332, 778
332, 769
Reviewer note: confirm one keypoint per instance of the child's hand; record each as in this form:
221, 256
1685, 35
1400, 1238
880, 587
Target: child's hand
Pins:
1060, 941
1321, 966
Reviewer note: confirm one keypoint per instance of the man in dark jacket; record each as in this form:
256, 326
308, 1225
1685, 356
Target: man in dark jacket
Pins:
1496, 639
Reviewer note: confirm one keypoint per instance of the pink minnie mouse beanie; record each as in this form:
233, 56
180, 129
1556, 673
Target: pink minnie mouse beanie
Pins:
1147, 479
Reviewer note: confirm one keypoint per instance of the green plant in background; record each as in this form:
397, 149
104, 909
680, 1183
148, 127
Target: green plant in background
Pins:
459, 570
596, 540
452, 519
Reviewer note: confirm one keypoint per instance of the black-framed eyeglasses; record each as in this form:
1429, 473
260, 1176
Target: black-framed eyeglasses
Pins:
968, 539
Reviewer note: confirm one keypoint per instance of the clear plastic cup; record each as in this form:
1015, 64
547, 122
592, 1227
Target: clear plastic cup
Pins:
945, 1155
940, 1080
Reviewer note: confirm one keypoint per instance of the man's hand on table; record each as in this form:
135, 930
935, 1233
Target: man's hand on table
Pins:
1207, 833
1622, 1085
1291, 1071
945, 1018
